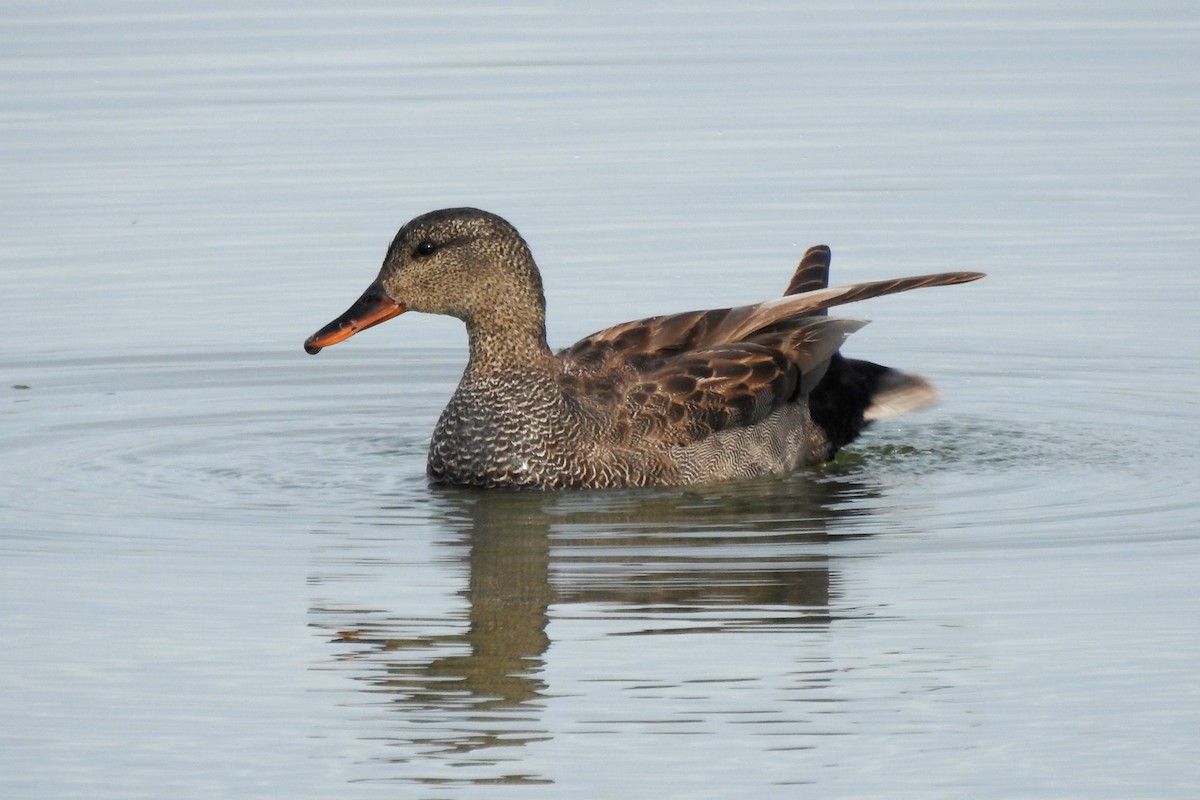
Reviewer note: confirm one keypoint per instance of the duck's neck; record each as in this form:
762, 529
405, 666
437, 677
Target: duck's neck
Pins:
506, 414
501, 343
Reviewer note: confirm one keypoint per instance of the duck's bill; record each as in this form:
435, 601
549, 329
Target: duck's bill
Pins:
371, 309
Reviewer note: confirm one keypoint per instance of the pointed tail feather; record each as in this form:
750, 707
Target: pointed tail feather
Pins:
899, 393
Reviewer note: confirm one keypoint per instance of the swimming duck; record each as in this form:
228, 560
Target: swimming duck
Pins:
676, 399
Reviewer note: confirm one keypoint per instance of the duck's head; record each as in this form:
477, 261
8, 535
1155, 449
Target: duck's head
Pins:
458, 261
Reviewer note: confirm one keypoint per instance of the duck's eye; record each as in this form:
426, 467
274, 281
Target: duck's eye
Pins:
425, 248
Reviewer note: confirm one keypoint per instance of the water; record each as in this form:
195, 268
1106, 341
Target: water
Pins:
222, 571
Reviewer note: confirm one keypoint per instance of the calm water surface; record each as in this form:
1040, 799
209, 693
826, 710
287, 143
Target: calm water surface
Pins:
222, 571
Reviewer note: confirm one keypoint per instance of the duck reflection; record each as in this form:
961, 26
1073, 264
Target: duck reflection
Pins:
652, 562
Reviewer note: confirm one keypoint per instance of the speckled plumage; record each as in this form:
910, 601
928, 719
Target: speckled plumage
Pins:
678, 399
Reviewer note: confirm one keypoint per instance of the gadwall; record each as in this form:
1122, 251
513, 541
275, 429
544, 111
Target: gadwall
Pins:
677, 399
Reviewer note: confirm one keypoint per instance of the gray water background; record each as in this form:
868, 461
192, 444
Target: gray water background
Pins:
222, 572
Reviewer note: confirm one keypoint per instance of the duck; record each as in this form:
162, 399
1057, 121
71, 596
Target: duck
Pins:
678, 399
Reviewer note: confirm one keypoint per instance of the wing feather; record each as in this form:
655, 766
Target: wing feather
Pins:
698, 393
648, 342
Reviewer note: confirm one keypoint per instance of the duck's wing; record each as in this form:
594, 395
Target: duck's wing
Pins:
693, 395
779, 311
812, 273
646, 342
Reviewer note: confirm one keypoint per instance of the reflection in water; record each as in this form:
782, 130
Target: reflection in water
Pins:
716, 559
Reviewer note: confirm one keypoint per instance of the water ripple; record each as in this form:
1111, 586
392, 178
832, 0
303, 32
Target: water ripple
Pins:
245, 436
